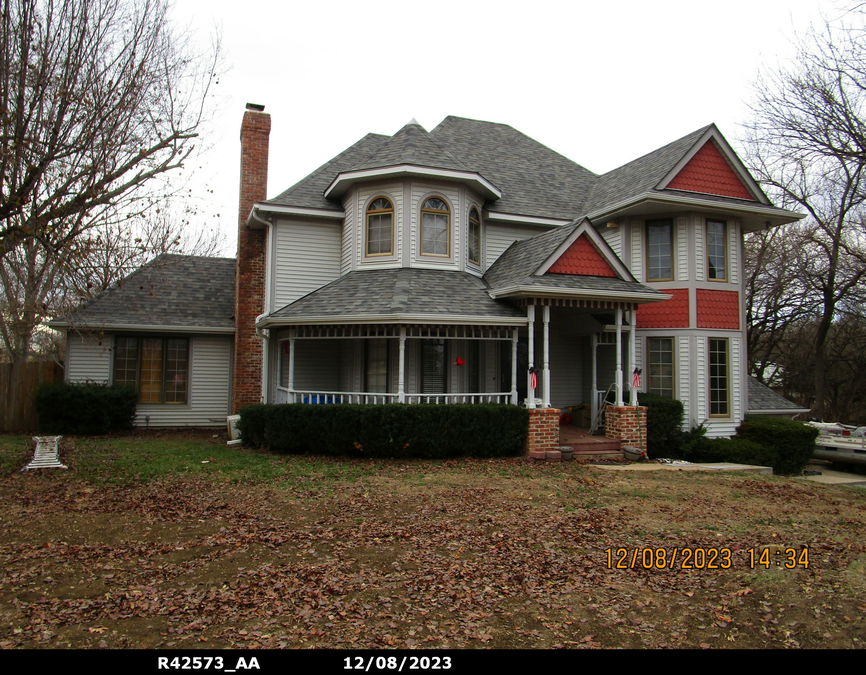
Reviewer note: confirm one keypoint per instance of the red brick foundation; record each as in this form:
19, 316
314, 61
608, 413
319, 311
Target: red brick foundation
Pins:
627, 425
543, 429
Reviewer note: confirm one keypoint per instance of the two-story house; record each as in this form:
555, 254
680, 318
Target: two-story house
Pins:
465, 264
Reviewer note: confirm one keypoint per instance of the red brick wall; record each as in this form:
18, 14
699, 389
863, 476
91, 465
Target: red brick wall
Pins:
627, 425
673, 313
718, 309
708, 172
543, 429
582, 258
250, 277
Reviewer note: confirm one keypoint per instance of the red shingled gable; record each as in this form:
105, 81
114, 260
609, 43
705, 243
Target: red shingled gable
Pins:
673, 313
718, 309
708, 172
582, 258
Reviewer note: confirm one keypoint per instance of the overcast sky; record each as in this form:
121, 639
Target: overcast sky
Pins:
600, 83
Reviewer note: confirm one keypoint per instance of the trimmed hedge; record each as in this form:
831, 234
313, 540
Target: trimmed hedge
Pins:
393, 430
735, 450
664, 419
86, 409
792, 442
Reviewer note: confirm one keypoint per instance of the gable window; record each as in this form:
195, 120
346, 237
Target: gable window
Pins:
380, 227
717, 258
157, 368
661, 367
719, 378
435, 228
474, 237
660, 249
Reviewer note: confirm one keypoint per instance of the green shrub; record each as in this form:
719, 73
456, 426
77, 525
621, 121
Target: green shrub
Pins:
735, 450
394, 430
90, 409
791, 442
664, 426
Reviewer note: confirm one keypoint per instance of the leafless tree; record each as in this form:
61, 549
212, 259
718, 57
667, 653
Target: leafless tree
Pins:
36, 284
97, 99
807, 145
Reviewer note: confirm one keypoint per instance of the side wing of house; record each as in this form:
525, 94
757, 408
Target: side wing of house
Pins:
167, 332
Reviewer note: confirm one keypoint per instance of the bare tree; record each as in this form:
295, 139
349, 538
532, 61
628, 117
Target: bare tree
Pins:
806, 145
36, 284
97, 98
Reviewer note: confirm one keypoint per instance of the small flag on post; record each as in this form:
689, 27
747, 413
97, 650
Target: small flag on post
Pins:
533, 378
635, 379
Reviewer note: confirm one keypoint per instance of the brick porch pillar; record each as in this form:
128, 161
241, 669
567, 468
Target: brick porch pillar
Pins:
543, 429
626, 424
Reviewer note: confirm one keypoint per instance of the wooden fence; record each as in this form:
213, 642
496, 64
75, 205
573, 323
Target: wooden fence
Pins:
18, 384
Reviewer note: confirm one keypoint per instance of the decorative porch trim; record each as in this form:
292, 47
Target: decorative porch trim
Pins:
363, 331
575, 302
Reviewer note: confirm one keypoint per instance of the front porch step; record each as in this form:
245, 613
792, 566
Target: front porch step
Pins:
586, 445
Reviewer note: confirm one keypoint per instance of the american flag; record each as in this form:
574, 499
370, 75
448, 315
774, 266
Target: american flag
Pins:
635, 378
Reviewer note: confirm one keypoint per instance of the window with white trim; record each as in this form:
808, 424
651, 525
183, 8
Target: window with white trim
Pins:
660, 248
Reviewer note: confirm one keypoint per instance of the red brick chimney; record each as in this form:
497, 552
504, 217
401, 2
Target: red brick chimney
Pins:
250, 275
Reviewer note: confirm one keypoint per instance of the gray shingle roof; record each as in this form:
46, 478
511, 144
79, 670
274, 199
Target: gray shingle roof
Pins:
640, 175
586, 283
400, 291
762, 398
412, 145
171, 290
522, 258
309, 192
534, 180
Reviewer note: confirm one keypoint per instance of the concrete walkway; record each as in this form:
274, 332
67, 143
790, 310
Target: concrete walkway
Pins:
652, 466
830, 477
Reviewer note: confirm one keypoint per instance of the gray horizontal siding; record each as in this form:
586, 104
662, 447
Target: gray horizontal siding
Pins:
307, 257
88, 358
499, 236
210, 375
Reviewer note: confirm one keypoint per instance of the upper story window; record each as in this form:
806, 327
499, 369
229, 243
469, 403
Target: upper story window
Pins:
717, 267
474, 236
435, 228
660, 249
380, 227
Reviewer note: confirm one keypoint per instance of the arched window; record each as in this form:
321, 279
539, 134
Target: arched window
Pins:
380, 227
435, 228
474, 236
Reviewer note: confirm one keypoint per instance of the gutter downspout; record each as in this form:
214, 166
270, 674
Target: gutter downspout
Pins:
265, 333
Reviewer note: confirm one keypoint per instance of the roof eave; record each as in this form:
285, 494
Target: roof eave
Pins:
355, 319
779, 411
341, 184
531, 291
59, 324
771, 215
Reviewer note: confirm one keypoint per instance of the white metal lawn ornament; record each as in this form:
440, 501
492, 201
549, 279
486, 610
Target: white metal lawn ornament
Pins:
47, 455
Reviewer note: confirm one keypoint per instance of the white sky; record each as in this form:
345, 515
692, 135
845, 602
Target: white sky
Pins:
600, 83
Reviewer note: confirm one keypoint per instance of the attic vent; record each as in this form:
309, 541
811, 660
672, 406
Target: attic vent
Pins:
257, 107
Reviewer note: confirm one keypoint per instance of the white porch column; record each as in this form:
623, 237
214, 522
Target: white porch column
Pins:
632, 341
545, 396
514, 400
292, 341
401, 377
530, 390
619, 401
593, 407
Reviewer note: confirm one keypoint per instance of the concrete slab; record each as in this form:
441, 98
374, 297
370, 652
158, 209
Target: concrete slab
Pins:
652, 466
830, 477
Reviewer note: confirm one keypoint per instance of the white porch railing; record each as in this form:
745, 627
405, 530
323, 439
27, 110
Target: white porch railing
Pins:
284, 395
